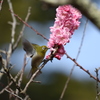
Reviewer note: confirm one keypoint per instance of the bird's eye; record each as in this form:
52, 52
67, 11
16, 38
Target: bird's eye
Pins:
43, 48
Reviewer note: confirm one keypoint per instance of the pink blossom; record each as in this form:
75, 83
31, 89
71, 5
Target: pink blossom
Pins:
60, 52
66, 22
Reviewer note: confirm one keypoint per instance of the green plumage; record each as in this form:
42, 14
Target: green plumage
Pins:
37, 54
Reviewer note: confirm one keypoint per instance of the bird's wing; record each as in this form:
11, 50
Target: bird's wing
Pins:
35, 46
28, 47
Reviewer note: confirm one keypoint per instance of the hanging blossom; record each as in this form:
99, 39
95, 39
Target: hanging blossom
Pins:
66, 22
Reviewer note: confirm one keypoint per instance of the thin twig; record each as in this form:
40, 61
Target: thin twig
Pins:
21, 33
2, 51
10, 83
1, 73
21, 74
10, 76
12, 79
67, 81
34, 75
29, 26
97, 86
36, 81
13, 94
77, 64
3, 64
14, 23
8, 55
1, 2
14, 47
9, 52
27, 98
6, 87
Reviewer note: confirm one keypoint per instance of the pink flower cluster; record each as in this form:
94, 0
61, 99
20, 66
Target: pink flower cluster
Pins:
66, 22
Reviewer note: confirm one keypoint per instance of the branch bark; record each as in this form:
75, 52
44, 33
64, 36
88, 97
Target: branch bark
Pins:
87, 8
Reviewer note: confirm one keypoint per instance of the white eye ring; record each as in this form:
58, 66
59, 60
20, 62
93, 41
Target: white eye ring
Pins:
43, 48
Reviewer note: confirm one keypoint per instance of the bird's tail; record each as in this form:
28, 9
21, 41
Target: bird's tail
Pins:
32, 71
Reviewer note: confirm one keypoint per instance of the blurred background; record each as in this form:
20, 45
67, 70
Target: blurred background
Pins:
55, 73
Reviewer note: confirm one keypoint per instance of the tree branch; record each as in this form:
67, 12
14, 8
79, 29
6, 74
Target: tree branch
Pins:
29, 26
87, 8
33, 76
21, 33
1, 2
87, 71
13, 94
81, 44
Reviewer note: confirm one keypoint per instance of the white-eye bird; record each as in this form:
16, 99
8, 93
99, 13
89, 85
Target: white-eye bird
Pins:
37, 54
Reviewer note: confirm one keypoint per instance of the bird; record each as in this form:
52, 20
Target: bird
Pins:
35, 52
